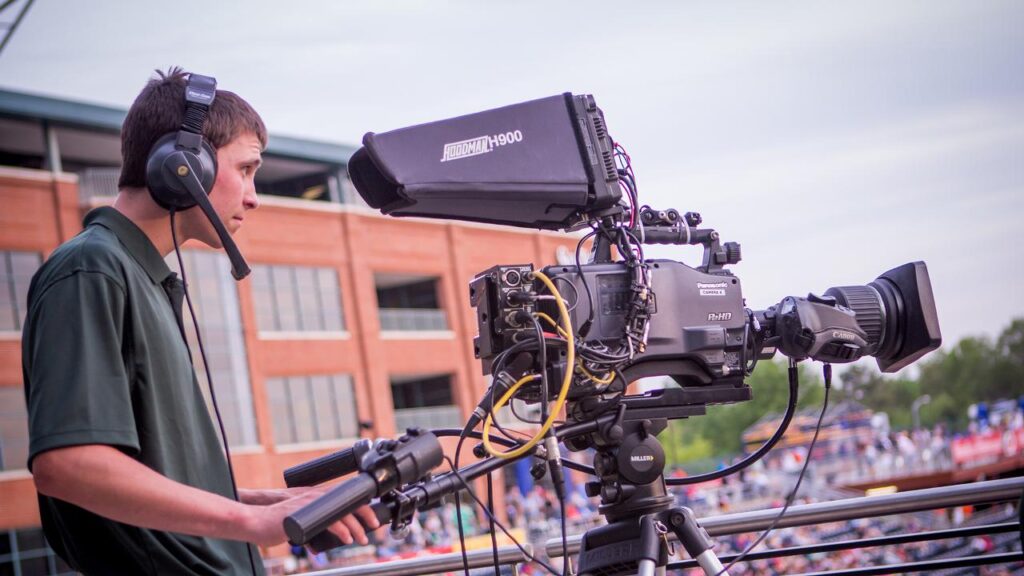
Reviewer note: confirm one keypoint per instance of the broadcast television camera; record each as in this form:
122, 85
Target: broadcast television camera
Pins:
551, 164
595, 326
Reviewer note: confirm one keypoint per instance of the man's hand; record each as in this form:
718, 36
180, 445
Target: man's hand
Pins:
105, 481
276, 504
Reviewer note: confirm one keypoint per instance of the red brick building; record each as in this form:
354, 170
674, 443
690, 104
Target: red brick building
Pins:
349, 317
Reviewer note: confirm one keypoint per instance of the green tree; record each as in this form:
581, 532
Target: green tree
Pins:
958, 378
1008, 371
973, 370
882, 394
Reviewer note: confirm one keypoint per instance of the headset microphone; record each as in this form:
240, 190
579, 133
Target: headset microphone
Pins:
182, 167
179, 163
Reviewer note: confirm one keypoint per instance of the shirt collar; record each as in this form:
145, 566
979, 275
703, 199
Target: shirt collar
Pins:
133, 239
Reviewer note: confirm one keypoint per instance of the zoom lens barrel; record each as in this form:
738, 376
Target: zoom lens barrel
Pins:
897, 312
871, 311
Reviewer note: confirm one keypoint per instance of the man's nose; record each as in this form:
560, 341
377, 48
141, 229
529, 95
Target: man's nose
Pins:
251, 200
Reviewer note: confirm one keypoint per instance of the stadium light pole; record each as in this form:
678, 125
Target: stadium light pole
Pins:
915, 409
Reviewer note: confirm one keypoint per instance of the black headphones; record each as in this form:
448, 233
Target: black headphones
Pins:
182, 167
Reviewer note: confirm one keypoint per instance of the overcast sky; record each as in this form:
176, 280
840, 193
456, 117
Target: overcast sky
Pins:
832, 141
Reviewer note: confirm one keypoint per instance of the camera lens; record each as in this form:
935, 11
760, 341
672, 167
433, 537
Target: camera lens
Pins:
897, 312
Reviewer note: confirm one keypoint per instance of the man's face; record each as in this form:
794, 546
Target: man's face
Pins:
234, 190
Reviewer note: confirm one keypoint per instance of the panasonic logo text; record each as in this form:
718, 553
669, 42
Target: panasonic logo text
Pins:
714, 289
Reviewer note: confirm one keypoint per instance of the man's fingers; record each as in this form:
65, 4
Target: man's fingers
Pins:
355, 529
368, 518
351, 528
341, 531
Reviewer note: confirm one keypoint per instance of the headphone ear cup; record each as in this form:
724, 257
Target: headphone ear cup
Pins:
165, 187
208, 160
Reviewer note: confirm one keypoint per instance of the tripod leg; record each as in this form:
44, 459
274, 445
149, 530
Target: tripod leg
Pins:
629, 546
696, 540
650, 545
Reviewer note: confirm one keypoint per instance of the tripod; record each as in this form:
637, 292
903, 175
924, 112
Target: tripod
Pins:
640, 512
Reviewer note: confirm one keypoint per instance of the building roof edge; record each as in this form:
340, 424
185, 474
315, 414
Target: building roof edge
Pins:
28, 106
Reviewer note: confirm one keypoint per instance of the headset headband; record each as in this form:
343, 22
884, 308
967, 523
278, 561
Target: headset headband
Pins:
199, 95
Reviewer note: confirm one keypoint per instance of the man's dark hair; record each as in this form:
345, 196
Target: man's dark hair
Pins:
160, 109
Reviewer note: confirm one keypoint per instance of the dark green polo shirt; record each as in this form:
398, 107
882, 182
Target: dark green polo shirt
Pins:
105, 363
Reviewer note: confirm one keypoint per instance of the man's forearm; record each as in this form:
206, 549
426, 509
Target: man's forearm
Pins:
264, 497
106, 482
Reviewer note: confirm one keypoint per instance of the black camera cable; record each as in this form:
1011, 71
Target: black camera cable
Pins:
794, 381
551, 442
209, 377
628, 177
490, 523
467, 430
827, 374
501, 526
458, 502
584, 328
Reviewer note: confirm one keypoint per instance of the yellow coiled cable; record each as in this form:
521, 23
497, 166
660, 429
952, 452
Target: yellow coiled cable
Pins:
562, 394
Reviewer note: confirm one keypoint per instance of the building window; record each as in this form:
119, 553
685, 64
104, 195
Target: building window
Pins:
424, 401
97, 182
13, 430
307, 409
409, 303
315, 186
297, 299
16, 270
348, 192
25, 552
215, 297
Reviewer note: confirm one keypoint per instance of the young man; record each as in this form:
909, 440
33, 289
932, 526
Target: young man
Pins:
131, 476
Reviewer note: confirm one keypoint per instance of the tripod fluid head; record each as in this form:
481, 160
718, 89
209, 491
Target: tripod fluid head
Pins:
629, 463
630, 479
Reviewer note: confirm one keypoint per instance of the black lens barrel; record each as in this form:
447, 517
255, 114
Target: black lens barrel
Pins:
897, 311
867, 304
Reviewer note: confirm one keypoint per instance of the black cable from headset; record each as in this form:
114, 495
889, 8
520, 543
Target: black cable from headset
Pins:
209, 379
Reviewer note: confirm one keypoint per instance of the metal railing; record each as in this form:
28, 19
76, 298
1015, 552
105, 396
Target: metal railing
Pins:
977, 493
412, 319
430, 417
507, 556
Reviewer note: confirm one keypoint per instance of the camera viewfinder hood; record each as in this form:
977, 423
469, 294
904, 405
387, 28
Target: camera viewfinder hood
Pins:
539, 164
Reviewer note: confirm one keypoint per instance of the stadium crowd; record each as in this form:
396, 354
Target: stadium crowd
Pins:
536, 515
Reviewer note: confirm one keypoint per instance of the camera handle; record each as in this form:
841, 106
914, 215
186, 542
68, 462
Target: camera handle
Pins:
390, 464
667, 227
